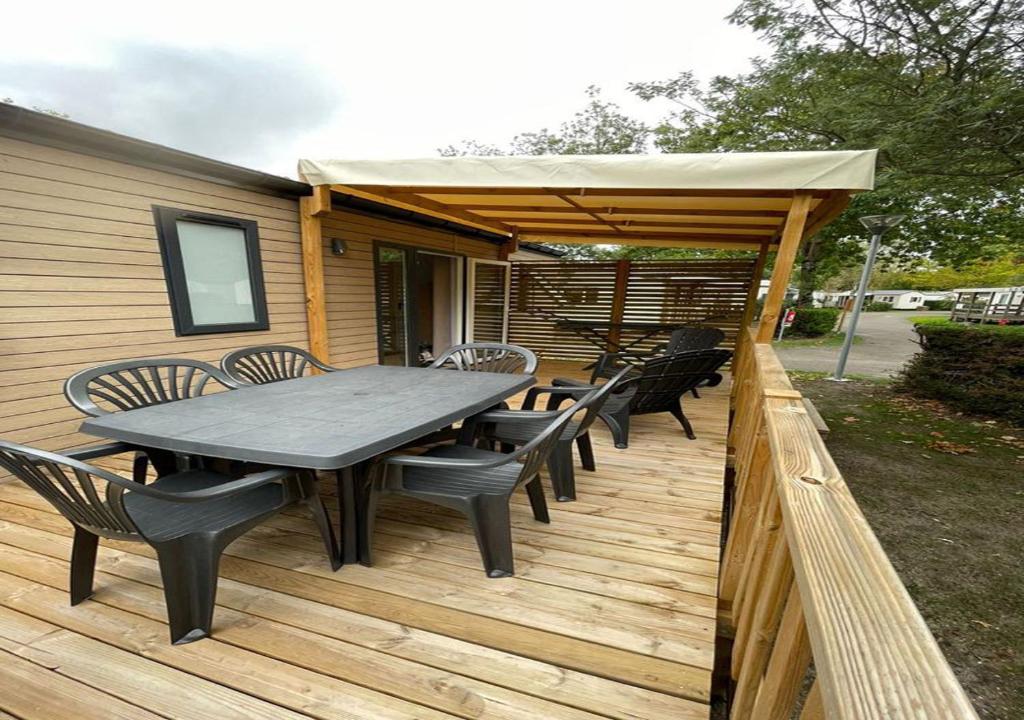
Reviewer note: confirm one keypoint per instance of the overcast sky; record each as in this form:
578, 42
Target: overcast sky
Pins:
263, 87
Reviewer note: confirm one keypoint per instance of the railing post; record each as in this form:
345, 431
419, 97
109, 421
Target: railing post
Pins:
791, 656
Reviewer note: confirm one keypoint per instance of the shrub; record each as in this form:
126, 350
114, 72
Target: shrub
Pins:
974, 368
814, 322
938, 304
877, 307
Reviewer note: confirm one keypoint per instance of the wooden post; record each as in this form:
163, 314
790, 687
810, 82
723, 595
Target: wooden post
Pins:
748, 308
311, 209
787, 668
792, 234
618, 304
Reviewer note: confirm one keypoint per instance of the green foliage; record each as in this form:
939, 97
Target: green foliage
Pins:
877, 307
939, 304
814, 322
937, 87
975, 368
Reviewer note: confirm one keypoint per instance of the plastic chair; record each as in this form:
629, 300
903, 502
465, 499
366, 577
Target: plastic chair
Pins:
132, 384
476, 482
262, 364
188, 518
488, 357
656, 386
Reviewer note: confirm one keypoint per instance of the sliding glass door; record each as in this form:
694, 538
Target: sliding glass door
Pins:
487, 298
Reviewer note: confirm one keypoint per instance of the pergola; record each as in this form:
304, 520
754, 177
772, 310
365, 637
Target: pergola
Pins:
735, 201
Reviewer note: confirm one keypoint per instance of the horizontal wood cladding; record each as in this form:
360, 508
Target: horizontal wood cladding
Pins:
684, 292
348, 279
82, 280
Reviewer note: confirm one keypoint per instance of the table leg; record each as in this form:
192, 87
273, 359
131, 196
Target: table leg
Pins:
347, 533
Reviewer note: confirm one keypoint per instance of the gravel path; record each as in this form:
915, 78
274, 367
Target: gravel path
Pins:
887, 342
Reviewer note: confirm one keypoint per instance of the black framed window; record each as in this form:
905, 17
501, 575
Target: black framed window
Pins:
213, 270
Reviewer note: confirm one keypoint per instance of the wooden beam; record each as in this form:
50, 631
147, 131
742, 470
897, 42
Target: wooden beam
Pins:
584, 191
427, 207
645, 241
586, 211
743, 337
620, 210
313, 277
792, 235
827, 211
596, 236
320, 201
625, 224
509, 247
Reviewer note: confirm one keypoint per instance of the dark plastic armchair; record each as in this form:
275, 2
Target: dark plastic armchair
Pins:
476, 482
133, 384
516, 428
681, 340
656, 386
262, 364
188, 518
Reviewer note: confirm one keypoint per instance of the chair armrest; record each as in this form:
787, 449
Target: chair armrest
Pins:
607, 362
496, 416
437, 462
567, 391
227, 489
98, 451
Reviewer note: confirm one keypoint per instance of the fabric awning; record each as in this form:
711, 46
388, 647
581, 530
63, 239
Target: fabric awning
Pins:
731, 200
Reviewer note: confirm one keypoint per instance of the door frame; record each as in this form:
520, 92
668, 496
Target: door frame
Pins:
409, 287
471, 264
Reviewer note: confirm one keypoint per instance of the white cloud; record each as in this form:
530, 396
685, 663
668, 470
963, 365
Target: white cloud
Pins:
388, 79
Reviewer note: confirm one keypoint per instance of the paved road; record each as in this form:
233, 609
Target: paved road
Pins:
887, 343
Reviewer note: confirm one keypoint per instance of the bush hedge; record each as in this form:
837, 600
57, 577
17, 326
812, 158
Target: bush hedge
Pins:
938, 304
974, 368
877, 307
814, 322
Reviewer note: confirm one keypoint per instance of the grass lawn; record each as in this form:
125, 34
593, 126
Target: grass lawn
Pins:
829, 340
945, 495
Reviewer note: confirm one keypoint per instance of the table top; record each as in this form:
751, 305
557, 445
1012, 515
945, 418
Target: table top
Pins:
322, 422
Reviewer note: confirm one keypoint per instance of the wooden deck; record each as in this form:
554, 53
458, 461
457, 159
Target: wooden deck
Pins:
611, 613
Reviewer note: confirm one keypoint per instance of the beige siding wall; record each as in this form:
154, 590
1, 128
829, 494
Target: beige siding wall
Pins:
351, 310
82, 283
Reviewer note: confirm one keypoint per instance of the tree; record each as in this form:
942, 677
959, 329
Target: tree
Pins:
937, 86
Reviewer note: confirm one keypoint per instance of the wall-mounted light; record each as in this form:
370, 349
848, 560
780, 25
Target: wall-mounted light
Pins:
338, 246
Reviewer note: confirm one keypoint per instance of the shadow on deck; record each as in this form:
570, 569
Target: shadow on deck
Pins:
611, 612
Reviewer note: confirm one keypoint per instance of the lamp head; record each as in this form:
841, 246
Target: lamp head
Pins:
880, 224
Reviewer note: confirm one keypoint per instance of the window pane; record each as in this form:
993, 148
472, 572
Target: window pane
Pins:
217, 273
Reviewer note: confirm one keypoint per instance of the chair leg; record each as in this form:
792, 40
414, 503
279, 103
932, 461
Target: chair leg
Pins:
188, 567
83, 564
563, 475
315, 503
677, 413
695, 393
140, 467
492, 526
618, 423
535, 490
586, 450
369, 514
507, 448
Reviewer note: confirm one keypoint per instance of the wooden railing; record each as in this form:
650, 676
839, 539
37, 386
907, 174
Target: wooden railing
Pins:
805, 580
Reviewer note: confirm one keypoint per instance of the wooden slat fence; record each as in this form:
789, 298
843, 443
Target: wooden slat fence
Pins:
804, 578
684, 292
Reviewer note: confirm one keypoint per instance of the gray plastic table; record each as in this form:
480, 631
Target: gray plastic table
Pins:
334, 421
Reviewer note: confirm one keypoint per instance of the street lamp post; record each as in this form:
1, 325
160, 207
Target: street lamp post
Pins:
878, 225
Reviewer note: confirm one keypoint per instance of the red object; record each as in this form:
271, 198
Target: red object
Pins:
790, 316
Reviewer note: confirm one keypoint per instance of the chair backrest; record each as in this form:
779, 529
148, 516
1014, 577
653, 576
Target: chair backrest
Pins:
694, 338
663, 380
87, 496
262, 364
134, 384
488, 357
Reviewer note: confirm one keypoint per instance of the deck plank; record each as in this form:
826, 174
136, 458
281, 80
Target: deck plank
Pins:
610, 614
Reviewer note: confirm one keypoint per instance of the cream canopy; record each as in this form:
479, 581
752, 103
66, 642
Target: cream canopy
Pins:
727, 200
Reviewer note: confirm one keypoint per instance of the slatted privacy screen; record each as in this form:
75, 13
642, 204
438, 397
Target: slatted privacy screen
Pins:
710, 292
